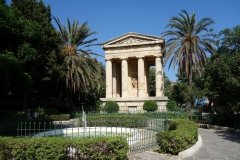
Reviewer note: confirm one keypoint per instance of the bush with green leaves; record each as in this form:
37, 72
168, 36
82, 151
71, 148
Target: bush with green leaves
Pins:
132, 121
150, 105
172, 105
111, 107
58, 148
182, 135
60, 117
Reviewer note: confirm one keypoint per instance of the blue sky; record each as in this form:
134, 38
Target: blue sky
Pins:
112, 18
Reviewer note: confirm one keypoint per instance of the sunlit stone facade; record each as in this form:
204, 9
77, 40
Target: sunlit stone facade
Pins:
128, 58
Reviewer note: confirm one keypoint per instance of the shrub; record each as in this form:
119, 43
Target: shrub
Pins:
111, 107
44, 112
117, 121
172, 105
58, 148
150, 105
102, 148
182, 134
60, 117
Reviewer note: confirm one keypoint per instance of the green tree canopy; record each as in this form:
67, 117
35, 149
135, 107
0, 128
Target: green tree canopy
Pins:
229, 40
222, 81
82, 72
188, 43
45, 67
13, 79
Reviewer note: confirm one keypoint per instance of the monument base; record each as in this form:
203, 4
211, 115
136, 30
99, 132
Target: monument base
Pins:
135, 104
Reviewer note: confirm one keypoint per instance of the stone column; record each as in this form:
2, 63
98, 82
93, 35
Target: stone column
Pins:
118, 79
124, 77
114, 79
147, 81
141, 78
108, 78
159, 75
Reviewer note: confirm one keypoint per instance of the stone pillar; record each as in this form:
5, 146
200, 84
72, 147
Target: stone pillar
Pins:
114, 80
118, 79
141, 78
159, 76
108, 78
124, 77
147, 81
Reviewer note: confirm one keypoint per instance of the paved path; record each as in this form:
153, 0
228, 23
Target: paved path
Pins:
217, 145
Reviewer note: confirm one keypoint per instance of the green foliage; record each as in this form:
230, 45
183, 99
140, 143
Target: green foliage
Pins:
58, 148
152, 81
60, 117
81, 71
111, 107
222, 82
132, 121
229, 40
150, 105
189, 41
167, 86
45, 112
102, 148
172, 105
226, 120
182, 134
182, 93
166, 115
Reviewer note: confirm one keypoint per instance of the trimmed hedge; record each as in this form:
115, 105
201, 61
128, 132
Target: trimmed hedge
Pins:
44, 148
117, 121
182, 135
60, 117
172, 105
111, 107
150, 105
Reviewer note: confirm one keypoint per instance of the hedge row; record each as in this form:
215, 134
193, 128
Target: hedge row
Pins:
60, 117
45, 148
168, 115
182, 135
117, 121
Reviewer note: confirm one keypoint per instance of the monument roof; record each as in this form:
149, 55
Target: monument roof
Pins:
132, 38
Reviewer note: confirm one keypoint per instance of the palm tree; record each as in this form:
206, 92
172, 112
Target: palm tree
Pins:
186, 47
82, 71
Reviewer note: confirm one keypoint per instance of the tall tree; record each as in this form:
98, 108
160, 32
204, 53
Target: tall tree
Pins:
229, 41
45, 67
222, 73
82, 71
18, 36
186, 47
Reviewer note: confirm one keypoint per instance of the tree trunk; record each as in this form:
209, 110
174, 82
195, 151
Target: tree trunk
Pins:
190, 76
70, 102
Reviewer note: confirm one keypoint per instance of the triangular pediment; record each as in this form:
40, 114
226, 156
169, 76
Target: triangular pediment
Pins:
132, 39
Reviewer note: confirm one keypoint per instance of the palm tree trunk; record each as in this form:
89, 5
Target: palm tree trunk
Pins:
190, 73
70, 102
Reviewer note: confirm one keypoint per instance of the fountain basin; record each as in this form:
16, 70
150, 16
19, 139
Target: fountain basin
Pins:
131, 134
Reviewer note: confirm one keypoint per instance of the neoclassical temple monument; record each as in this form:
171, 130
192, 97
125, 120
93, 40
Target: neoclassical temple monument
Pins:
128, 58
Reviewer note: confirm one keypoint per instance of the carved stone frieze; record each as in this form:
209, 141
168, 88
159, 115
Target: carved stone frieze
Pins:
131, 40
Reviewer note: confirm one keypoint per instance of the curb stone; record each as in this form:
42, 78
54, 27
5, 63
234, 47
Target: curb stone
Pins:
190, 151
150, 155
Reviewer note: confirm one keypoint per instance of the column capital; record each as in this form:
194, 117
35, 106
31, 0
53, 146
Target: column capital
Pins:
124, 58
140, 57
158, 56
108, 59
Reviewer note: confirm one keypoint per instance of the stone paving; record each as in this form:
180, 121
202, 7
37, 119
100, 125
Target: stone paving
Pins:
217, 145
